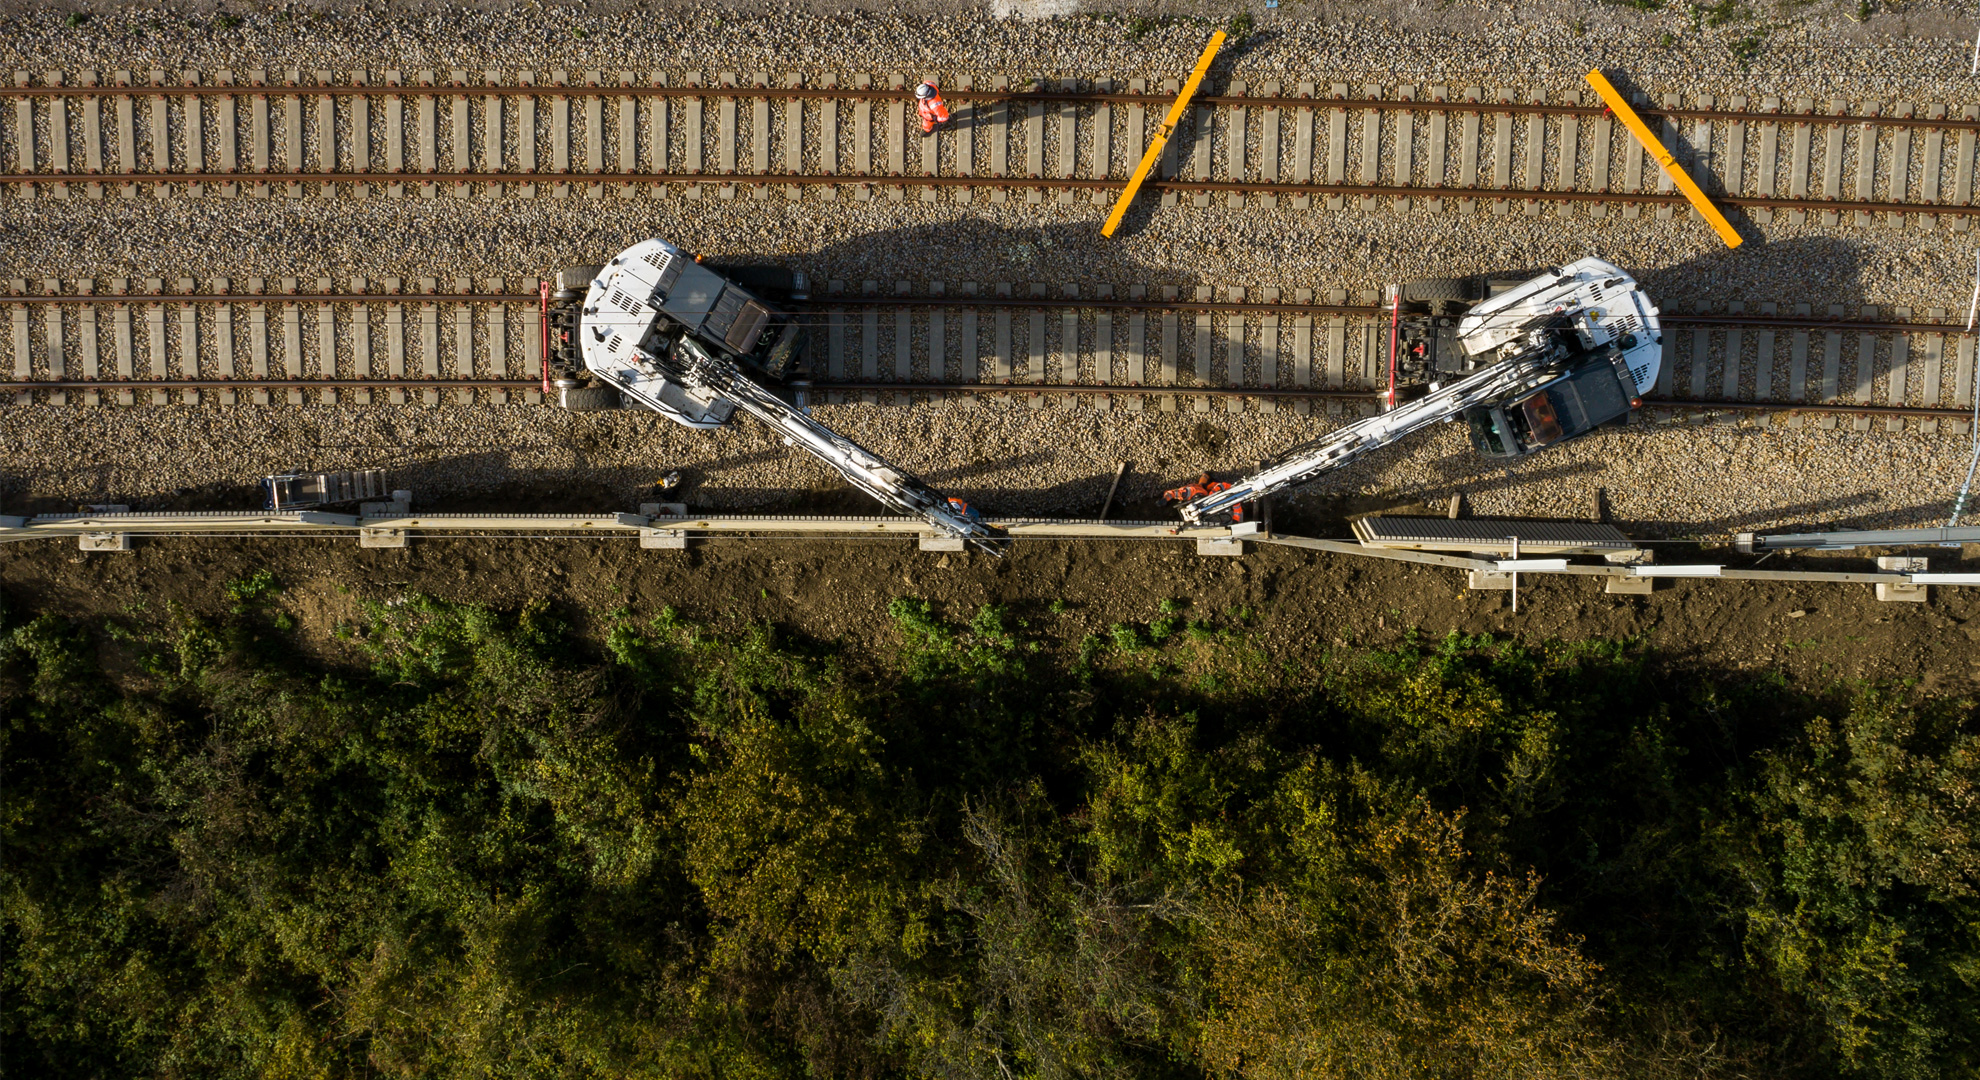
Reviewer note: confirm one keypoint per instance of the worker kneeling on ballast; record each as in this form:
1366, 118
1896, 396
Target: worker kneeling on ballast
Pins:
1203, 487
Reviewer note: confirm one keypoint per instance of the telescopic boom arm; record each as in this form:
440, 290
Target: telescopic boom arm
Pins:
695, 367
1525, 336
1527, 371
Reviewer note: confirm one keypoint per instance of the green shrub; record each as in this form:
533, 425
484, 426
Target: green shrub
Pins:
482, 846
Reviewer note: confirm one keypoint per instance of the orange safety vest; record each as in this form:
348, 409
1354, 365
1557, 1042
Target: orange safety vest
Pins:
932, 109
1193, 491
1237, 509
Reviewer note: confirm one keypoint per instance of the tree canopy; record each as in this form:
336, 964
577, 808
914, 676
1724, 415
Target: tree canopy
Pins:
465, 842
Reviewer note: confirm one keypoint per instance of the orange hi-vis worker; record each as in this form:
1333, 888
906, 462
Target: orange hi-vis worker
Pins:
1189, 492
965, 511
1202, 486
928, 101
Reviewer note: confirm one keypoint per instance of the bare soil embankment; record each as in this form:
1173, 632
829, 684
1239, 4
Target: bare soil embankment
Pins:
1294, 603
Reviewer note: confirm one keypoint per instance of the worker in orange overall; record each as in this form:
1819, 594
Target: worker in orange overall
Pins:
965, 511
928, 101
1202, 486
1189, 492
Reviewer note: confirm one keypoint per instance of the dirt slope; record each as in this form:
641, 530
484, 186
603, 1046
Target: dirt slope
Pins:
1298, 603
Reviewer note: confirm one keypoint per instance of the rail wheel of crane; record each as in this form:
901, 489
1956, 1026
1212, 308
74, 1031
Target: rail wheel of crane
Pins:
591, 398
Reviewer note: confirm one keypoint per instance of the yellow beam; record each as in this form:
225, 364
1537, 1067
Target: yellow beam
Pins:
1650, 142
1162, 136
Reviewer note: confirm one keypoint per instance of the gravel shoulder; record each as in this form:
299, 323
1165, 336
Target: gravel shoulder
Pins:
1889, 45
1659, 481
1663, 480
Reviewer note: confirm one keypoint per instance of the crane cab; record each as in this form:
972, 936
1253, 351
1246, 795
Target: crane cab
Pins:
1575, 404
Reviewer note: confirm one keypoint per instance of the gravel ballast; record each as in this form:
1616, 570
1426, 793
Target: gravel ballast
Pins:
1668, 479
1660, 480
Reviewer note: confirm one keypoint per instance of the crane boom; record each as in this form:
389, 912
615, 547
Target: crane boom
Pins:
669, 334
1342, 446
696, 368
1565, 352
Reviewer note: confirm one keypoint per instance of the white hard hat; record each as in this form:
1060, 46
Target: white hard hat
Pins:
925, 90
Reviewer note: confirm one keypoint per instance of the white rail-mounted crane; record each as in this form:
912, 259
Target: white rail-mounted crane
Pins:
1529, 367
656, 328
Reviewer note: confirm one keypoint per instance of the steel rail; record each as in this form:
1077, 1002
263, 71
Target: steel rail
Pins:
1347, 395
1812, 322
1781, 322
1007, 387
812, 304
785, 93
1020, 182
284, 297
374, 383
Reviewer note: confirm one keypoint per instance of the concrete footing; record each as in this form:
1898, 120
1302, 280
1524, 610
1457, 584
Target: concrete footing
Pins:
1902, 592
104, 541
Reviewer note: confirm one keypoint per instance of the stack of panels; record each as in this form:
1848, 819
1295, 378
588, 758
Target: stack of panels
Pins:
1489, 535
355, 486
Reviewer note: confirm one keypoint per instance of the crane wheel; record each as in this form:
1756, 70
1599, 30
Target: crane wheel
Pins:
572, 281
592, 398
1431, 289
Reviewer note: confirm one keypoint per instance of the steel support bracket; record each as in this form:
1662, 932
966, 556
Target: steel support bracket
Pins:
382, 538
1489, 579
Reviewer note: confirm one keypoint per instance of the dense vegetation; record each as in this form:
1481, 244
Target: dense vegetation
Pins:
485, 846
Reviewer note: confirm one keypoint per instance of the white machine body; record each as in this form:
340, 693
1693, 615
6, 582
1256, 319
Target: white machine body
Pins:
646, 286
1517, 343
667, 332
1604, 302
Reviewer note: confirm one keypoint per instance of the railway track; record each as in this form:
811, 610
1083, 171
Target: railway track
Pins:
461, 134
1228, 350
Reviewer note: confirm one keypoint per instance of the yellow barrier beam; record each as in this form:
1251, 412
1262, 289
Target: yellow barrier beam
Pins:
1650, 142
1162, 135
